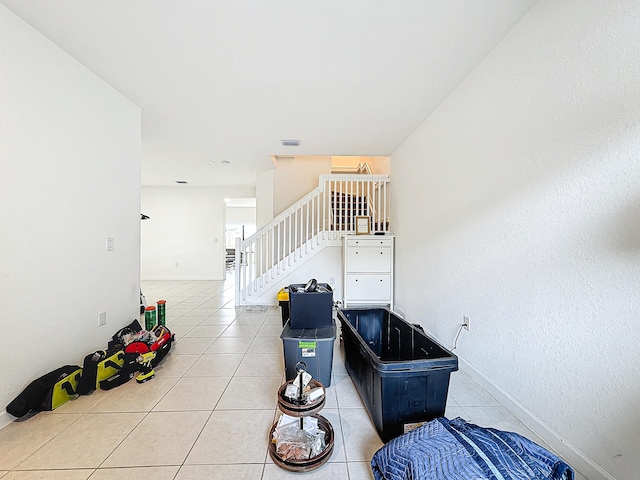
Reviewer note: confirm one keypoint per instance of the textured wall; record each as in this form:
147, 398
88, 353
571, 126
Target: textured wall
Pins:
293, 178
184, 236
529, 223
69, 178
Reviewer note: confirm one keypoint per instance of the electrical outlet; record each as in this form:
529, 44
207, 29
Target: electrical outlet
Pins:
465, 322
109, 244
102, 319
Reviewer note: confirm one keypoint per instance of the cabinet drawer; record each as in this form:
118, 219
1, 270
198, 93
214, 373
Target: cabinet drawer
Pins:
365, 259
369, 242
373, 287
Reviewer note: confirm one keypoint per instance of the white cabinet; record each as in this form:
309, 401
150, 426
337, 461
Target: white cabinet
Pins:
368, 270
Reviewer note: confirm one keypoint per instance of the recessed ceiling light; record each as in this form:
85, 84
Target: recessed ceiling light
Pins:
211, 162
290, 143
182, 182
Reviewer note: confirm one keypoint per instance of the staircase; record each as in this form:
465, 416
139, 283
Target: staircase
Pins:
345, 207
319, 219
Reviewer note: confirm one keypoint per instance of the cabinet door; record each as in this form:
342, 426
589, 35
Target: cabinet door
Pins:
368, 259
369, 287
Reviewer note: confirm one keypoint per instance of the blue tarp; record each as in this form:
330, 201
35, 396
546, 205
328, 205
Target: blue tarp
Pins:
456, 450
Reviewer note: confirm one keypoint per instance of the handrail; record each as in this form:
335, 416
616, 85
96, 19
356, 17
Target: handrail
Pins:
326, 213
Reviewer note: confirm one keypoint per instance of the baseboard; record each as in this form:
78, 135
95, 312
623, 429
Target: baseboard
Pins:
187, 278
5, 419
578, 460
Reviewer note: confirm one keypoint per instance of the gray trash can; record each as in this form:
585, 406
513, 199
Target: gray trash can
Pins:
313, 346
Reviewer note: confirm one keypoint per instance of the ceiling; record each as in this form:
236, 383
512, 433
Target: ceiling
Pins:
227, 80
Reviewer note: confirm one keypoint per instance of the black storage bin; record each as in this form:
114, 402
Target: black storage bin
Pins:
310, 309
401, 374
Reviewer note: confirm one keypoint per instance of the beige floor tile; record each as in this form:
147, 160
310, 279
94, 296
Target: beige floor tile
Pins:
191, 346
257, 365
360, 437
266, 345
246, 319
338, 368
203, 312
348, 396
175, 365
162, 438
270, 330
467, 392
248, 471
18, 440
331, 400
246, 331
180, 330
229, 345
360, 471
155, 473
500, 418
3, 473
185, 319
185, 304
136, 397
83, 403
248, 393
174, 313
332, 471
85, 444
215, 302
215, 365
274, 320
207, 331
232, 437
82, 474
230, 310
333, 416
452, 412
193, 394
218, 320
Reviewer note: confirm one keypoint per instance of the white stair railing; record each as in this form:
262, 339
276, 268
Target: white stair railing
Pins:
325, 214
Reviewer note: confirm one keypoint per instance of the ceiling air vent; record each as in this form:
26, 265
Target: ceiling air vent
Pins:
290, 143
182, 182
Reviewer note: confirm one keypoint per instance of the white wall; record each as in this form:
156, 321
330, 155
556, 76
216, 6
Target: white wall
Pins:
264, 198
184, 236
378, 165
240, 215
529, 181
325, 265
294, 178
70, 178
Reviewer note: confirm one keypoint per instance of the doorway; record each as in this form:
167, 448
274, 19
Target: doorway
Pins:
240, 214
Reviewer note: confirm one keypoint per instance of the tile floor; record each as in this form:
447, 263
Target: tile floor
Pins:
208, 411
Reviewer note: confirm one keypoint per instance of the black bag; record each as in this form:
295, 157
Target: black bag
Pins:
117, 341
97, 367
47, 392
126, 373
